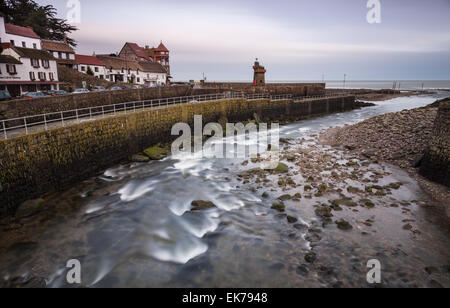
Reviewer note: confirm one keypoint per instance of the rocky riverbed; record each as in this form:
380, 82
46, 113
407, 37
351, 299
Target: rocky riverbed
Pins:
399, 138
315, 221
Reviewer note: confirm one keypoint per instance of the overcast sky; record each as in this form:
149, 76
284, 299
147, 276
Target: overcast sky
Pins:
294, 39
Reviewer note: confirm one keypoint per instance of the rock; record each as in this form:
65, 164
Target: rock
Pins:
417, 163
302, 270
139, 158
310, 257
431, 270
395, 185
265, 195
30, 208
323, 188
285, 197
324, 212
200, 205
407, 227
344, 225
282, 168
292, 220
156, 153
279, 206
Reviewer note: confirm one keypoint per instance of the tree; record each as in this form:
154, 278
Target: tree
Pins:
42, 19
89, 71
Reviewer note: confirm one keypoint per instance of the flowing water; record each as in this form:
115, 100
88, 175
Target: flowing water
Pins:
132, 226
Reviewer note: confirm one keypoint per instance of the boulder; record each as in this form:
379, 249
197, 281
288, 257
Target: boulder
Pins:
30, 208
156, 153
139, 158
200, 205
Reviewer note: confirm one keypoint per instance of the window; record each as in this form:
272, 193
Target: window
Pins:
12, 42
24, 45
83, 68
35, 63
60, 55
42, 76
51, 76
138, 79
67, 56
34, 46
96, 69
45, 64
32, 76
11, 69
101, 77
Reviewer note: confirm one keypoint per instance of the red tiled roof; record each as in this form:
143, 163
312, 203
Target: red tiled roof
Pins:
139, 51
161, 47
88, 60
21, 31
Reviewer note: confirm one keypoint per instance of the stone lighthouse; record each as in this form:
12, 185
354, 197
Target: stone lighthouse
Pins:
259, 77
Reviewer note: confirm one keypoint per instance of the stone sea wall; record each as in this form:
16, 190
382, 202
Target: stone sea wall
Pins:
436, 162
296, 89
36, 164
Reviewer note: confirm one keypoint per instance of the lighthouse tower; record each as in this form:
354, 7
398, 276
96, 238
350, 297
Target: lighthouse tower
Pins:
259, 76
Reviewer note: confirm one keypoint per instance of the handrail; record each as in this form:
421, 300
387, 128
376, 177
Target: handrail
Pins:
91, 113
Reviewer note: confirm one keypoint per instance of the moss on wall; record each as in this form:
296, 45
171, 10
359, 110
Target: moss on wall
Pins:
39, 163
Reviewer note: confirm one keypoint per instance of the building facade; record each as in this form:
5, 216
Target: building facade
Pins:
61, 51
86, 64
18, 36
134, 52
24, 66
145, 73
27, 70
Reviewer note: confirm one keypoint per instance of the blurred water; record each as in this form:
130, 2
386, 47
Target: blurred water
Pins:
132, 226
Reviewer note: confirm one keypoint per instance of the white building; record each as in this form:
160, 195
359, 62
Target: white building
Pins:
27, 70
119, 70
153, 73
61, 51
24, 66
92, 63
18, 36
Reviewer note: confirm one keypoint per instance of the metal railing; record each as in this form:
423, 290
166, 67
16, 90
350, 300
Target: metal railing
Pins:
63, 118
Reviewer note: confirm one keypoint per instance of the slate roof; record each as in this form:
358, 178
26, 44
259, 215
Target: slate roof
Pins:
9, 60
32, 53
56, 46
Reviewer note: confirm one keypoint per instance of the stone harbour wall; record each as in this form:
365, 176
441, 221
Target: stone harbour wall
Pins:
436, 162
40, 163
296, 89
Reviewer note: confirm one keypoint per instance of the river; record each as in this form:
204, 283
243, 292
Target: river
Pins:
132, 225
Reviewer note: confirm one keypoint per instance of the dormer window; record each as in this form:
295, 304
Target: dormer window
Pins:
24, 45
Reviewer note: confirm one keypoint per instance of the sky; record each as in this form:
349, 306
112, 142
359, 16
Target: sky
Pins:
294, 39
